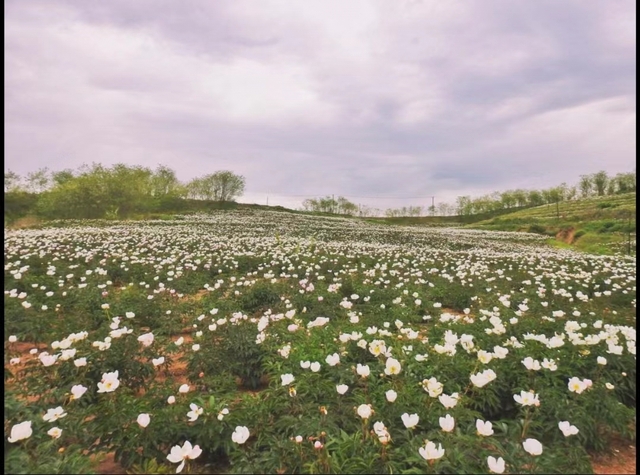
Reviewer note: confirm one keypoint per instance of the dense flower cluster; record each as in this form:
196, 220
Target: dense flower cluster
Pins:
360, 342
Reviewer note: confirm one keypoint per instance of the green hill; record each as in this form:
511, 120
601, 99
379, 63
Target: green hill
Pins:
598, 224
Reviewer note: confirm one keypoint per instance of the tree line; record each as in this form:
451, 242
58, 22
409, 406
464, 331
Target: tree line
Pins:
95, 191
596, 184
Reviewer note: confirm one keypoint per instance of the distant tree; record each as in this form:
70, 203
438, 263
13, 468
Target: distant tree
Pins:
164, 182
535, 198
600, 181
571, 193
345, 206
464, 206
508, 199
11, 181
39, 180
227, 185
61, 177
520, 197
625, 182
219, 186
586, 185
310, 205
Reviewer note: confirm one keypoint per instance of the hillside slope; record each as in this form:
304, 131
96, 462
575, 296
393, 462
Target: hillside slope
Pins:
599, 224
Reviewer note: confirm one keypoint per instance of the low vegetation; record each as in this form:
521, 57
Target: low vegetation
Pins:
248, 341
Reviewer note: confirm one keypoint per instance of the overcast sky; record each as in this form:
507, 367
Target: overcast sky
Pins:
396, 98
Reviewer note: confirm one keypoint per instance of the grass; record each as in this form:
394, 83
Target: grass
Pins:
598, 225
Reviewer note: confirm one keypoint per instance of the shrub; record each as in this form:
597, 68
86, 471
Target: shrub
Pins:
260, 296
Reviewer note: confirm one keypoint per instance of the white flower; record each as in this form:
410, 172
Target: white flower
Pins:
315, 366
54, 414
194, 413
602, 360
305, 364
158, 361
432, 386
342, 388
609, 385
129, 314
484, 428
146, 339
13, 339
223, 413
410, 421
527, 398
484, 357
171, 400
482, 379
365, 411
179, 341
576, 385
195, 347
392, 366
287, 379
55, 432
333, 359
77, 391
391, 395
430, 451
567, 429
531, 364
181, 454
183, 389
447, 423
362, 370
20, 431
448, 401
495, 466
143, 420
80, 362
46, 359
549, 364
532, 446
109, 382
240, 435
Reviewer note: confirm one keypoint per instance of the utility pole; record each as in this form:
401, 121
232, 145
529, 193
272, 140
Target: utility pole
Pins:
267, 201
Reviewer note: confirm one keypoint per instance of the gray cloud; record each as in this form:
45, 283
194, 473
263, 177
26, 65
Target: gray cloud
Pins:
364, 98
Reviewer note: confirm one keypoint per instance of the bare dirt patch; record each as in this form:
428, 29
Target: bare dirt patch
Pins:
622, 460
108, 465
566, 235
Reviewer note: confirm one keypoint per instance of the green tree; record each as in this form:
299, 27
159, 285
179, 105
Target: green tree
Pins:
39, 180
586, 185
61, 177
11, 181
600, 181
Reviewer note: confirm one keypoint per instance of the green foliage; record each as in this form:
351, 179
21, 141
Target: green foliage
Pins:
260, 296
18, 204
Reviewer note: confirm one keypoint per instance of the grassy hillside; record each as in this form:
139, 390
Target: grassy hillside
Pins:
439, 220
599, 224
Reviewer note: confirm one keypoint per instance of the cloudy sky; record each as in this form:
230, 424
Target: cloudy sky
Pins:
387, 102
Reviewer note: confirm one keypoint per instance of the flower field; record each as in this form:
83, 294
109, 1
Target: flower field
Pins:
264, 342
